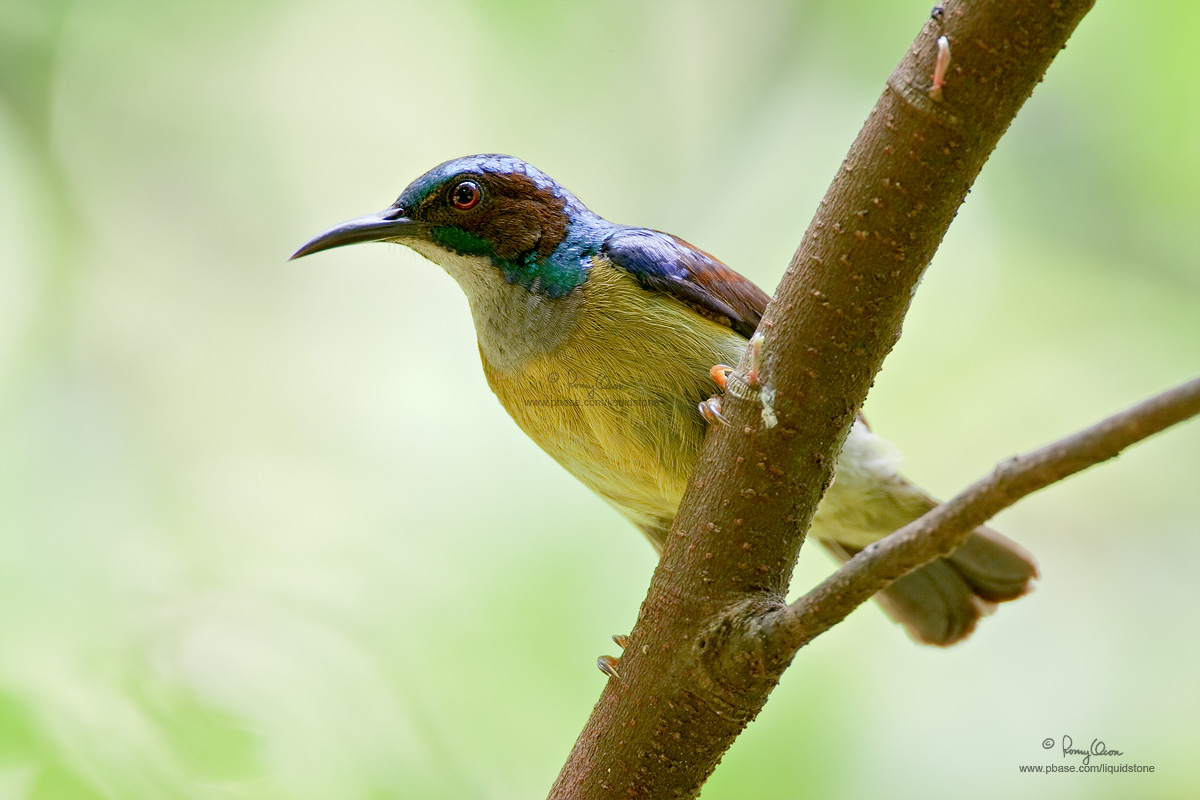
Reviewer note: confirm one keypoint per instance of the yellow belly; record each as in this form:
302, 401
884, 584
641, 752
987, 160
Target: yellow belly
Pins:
617, 408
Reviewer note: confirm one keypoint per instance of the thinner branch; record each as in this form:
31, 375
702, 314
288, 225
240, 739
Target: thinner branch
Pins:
944, 528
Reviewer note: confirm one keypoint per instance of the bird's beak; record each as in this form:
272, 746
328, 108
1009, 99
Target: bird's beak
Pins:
385, 226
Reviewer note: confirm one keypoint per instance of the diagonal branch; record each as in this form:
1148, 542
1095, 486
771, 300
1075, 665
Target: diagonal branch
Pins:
697, 666
944, 528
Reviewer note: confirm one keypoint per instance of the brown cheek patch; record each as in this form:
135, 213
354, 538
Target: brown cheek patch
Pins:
524, 217
512, 233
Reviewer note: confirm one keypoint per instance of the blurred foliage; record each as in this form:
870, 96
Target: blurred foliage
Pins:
265, 534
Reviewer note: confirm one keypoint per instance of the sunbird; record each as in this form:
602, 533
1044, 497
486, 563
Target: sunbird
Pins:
601, 341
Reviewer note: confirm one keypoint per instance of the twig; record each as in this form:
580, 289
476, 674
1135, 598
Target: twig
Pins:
944, 528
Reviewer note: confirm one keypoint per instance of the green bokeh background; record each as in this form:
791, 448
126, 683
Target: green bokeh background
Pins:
266, 534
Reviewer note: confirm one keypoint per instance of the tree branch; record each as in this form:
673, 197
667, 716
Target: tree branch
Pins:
942, 530
698, 665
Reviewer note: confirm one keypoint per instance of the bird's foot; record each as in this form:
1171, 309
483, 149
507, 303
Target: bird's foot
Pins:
621, 639
710, 409
720, 372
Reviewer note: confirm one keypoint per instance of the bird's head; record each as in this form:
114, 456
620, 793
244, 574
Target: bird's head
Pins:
474, 210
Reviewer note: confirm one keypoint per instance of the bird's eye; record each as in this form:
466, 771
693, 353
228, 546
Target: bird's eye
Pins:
466, 195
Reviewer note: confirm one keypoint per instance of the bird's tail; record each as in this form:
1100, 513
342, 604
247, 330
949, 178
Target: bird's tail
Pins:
941, 602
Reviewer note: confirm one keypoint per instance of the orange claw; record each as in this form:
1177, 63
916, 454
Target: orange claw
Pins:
621, 640
719, 373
